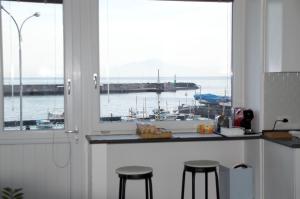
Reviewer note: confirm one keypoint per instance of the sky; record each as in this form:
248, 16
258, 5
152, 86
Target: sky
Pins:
42, 40
137, 37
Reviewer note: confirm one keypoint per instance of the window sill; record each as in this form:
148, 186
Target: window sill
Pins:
129, 127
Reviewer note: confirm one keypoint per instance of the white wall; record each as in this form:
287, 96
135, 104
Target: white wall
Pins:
281, 99
254, 60
29, 166
254, 157
167, 161
238, 52
274, 35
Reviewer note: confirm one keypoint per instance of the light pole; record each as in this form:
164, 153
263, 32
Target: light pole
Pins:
19, 29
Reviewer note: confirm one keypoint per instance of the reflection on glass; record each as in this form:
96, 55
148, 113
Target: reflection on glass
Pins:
164, 60
33, 65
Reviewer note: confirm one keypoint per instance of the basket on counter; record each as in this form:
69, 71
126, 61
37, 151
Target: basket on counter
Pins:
148, 131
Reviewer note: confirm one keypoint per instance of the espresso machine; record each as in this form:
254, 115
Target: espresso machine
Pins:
243, 118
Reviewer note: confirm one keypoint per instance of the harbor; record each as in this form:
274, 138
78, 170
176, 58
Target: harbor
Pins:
205, 106
122, 100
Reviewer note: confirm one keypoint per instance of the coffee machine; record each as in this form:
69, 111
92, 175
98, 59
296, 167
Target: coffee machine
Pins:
243, 118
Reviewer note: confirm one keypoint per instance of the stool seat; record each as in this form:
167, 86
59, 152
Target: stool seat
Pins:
134, 170
201, 163
135, 173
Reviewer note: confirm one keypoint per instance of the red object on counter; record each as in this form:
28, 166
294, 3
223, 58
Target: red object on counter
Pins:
238, 116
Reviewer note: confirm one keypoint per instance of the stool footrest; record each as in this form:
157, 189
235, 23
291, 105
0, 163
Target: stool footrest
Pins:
136, 177
200, 170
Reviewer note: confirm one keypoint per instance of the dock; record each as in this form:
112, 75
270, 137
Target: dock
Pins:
58, 89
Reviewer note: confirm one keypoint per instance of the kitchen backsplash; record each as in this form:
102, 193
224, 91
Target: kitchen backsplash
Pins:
282, 99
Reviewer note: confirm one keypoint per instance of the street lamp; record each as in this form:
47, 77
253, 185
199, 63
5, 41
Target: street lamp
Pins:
19, 29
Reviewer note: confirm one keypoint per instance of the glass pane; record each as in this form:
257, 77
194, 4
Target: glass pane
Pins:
164, 60
34, 63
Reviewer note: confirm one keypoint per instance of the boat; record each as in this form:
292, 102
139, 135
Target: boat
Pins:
211, 98
56, 114
210, 105
44, 124
138, 115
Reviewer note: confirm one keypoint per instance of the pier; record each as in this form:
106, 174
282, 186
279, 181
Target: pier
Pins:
58, 89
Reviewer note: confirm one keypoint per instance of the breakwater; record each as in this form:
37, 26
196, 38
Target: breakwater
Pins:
30, 122
35, 89
58, 89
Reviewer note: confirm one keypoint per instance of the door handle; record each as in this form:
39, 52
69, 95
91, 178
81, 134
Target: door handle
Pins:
69, 86
95, 78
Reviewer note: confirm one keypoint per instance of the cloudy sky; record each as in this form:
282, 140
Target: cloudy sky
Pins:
137, 37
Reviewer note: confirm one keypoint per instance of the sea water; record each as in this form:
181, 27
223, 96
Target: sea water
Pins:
38, 107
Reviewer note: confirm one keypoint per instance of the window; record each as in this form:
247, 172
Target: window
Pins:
33, 69
164, 60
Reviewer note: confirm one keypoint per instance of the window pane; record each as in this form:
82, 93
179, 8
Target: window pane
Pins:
41, 103
158, 57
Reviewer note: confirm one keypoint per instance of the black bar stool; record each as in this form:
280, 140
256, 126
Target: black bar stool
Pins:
135, 173
200, 166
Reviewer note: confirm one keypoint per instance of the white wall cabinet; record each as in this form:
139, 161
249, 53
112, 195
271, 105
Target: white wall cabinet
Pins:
282, 36
281, 171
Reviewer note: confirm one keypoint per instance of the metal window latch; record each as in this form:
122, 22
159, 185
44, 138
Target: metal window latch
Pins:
76, 134
95, 78
69, 86
75, 131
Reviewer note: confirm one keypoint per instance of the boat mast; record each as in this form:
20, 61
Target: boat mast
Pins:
175, 81
145, 109
158, 94
223, 108
136, 109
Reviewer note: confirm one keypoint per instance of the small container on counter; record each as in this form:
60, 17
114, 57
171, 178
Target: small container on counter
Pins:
206, 128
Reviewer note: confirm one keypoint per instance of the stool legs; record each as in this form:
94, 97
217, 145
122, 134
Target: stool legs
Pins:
151, 192
148, 187
123, 188
206, 183
183, 184
120, 188
206, 186
217, 184
193, 185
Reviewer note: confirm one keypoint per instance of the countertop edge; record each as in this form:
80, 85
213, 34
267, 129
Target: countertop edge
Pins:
289, 144
174, 139
134, 140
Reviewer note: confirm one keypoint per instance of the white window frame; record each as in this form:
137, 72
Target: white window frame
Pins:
1, 79
68, 70
237, 66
